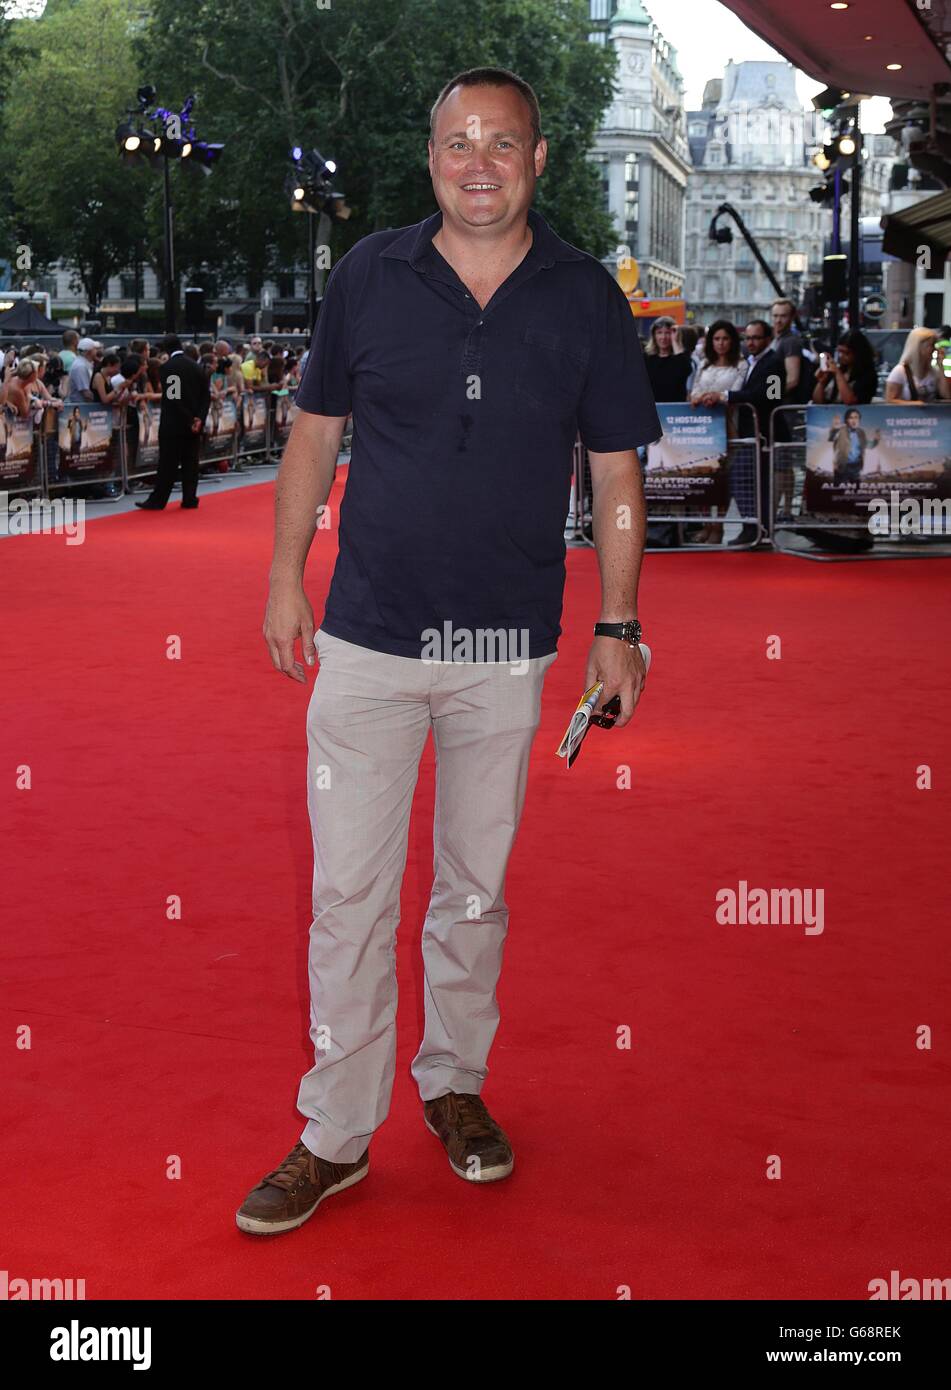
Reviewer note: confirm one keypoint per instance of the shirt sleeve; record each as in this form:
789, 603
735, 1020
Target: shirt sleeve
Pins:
616, 410
325, 384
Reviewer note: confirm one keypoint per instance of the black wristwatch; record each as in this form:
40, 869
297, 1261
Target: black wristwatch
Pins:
629, 632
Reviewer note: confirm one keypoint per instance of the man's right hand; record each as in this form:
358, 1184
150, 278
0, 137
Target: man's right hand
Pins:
288, 617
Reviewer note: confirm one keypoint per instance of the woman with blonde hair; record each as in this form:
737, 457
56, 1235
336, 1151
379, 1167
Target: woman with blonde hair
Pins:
915, 380
668, 366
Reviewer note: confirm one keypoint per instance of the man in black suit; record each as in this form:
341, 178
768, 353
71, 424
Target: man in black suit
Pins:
186, 395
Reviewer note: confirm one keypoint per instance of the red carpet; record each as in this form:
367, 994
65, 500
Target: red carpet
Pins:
155, 1042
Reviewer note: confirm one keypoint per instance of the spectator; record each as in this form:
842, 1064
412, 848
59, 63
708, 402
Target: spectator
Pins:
761, 388
68, 355
56, 378
915, 379
101, 384
668, 366
82, 370
722, 369
254, 370
722, 366
787, 345
852, 378
22, 394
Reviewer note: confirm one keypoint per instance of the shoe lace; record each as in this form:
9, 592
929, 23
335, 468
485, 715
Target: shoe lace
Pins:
469, 1115
299, 1160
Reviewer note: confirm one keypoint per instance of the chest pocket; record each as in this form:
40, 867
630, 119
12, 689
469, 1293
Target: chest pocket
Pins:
551, 370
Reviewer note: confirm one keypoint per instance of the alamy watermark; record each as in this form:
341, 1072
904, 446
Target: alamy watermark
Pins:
746, 906
37, 516
909, 516
505, 646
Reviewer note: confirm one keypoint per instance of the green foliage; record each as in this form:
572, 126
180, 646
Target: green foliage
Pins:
355, 80
69, 196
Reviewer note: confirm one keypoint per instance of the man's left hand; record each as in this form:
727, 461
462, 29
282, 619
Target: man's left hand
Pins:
622, 670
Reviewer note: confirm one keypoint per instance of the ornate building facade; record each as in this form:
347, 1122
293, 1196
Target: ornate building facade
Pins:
641, 147
752, 145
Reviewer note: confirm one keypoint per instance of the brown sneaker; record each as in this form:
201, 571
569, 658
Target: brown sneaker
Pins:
290, 1194
478, 1149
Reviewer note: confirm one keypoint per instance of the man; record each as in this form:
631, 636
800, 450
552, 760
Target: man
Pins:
83, 370
68, 354
849, 443
185, 397
762, 389
787, 345
471, 347
22, 388
254, 370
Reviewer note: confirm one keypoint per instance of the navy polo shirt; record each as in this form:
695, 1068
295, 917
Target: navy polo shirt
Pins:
464, 421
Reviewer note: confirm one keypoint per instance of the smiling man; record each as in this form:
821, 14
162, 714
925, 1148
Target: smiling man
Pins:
470, 348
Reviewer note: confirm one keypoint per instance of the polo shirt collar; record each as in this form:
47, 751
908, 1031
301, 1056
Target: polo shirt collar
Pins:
415, 243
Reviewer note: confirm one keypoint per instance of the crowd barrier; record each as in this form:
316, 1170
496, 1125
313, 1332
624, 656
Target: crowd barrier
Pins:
111, 449
705, 471
878, 490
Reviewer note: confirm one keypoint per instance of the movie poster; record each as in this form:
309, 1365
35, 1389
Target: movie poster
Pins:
254, 416
688, 463
221, 428
17, 463
861, 455
147, 455
87, 440
285, 412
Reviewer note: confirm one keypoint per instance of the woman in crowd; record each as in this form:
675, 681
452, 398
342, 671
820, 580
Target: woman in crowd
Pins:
101, 384
916, 380
668, 366
723, 369
852, 379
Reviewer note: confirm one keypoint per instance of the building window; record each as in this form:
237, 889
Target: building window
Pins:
127, 284
631, 199
600, 9
285, 285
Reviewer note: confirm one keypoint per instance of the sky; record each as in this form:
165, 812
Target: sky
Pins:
707, 35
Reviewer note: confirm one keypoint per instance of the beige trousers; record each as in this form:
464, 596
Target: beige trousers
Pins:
367, 723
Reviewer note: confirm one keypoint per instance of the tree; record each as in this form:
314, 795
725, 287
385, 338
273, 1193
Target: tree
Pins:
357, 81
70, 197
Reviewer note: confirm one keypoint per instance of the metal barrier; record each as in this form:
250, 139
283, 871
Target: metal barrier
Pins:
73, 449
830, 535
744, 486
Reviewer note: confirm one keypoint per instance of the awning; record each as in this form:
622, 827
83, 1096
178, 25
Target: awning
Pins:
927, 223
851, 48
